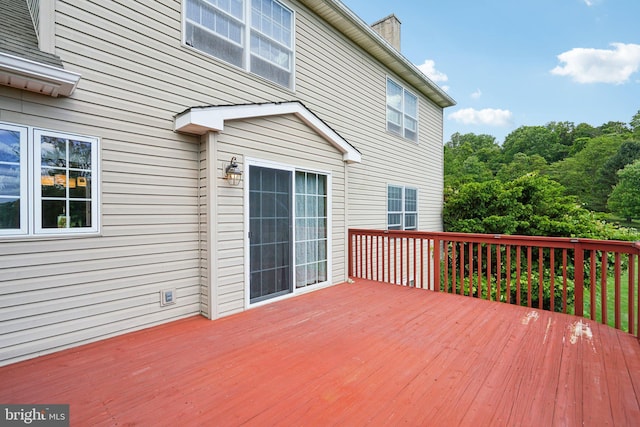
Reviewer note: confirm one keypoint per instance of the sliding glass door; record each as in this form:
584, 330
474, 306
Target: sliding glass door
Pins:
288, 247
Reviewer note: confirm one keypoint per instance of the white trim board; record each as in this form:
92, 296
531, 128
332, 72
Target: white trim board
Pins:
200, 120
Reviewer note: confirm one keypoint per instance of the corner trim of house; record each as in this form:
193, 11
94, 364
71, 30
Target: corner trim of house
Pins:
199, 120
36, 77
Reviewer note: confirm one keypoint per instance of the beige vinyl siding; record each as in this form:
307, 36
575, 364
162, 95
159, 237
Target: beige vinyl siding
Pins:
285, 140
136, 76
351, 95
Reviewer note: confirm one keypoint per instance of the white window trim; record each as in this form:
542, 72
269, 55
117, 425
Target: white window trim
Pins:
403, 112
246, 36
402, 212
30, 172
247, 252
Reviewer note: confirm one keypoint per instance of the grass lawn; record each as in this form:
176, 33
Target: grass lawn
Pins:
624, 301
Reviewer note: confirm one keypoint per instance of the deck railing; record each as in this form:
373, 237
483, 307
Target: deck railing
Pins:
597, 279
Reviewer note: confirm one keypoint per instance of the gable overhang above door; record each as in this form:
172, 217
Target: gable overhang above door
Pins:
200, 120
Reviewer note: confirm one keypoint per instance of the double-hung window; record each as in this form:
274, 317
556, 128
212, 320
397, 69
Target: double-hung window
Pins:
402, 208
256, 35
402, 111
48, 182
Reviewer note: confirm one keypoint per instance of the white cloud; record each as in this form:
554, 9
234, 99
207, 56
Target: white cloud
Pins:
429, 70
588, 3
477, 94
487, 116
585, 65
446, 88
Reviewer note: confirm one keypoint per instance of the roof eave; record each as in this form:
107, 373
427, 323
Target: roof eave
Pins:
342, 18
200, 120
36, 77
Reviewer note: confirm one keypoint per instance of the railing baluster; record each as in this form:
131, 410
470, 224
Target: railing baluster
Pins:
498, 271
453, 267
508, 274
552, 277
617, 290
540, 277
445, 247
528, 276
592, 284
436, 264
488, 272
603, 287
578, 279
479, 251
564, 280
631, 317
518, 287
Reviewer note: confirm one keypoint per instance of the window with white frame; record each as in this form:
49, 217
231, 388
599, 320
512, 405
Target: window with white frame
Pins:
402, 208
48, 182
256, 35
402, 111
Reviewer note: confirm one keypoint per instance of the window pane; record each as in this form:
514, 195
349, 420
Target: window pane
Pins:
53, 214
9, 146
9, 180
410, 105
395, 221
79, 214
410, 221
54, 151
9, 213
411, 200
394, 95
394, 199
53, 182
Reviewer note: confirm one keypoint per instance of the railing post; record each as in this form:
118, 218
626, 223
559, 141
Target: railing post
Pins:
351, 255
578, 278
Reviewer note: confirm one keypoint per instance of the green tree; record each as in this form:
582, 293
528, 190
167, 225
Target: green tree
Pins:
469, 158
530, 205
635, 123
607, 175
615, 128
532, 140
625, 198
578, 173
521, 165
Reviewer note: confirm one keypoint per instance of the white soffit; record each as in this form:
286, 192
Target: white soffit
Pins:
33, 76
200, 120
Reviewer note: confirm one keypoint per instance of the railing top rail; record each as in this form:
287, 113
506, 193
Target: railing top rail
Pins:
505, 239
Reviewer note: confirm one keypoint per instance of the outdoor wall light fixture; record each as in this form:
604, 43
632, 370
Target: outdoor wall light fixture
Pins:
233, 172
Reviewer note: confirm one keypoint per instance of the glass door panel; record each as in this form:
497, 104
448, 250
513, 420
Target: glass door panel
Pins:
270, 225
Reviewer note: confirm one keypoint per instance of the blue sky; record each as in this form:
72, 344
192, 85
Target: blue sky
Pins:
510, 63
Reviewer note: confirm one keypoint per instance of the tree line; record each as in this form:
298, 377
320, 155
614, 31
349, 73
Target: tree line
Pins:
559, 179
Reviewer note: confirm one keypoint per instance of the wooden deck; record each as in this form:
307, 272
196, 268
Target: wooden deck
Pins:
349, 355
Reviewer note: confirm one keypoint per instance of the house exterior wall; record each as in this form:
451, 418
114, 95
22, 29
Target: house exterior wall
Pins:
155, 230
280, 140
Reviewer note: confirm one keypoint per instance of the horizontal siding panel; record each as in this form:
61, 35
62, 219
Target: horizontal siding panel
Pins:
53, 311
96, 265
28, 247
109, 281
143, 220
190, 230
68, 327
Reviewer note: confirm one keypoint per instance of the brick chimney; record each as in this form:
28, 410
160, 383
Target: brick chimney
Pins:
389, 29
